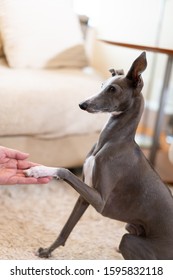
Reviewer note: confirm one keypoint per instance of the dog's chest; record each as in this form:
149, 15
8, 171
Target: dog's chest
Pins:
88, 170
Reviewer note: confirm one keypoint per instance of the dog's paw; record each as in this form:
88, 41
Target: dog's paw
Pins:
43, 253
41, 171
36, 171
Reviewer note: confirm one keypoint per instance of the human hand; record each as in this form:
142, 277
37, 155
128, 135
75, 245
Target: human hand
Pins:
12, 166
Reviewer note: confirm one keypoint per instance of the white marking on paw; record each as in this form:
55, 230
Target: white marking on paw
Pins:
41, 171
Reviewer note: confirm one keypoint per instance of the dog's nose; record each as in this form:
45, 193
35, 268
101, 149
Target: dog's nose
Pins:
83, 105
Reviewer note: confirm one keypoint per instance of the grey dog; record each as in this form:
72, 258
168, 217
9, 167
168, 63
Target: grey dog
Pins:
118, 181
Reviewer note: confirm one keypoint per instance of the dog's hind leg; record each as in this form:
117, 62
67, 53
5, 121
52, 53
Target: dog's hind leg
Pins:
78, 210
133, 247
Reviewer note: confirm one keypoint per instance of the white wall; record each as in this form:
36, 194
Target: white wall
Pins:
145, 22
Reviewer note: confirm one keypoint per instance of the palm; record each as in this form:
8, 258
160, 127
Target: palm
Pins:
12, 164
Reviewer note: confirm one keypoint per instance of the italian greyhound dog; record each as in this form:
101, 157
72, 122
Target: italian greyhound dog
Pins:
118, 181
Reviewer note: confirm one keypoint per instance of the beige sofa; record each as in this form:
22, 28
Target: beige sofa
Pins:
41, 86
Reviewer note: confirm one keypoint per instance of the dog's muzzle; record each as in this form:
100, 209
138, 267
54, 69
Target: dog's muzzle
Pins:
83, 105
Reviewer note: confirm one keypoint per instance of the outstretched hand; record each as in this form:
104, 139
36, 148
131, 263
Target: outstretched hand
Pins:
12, 165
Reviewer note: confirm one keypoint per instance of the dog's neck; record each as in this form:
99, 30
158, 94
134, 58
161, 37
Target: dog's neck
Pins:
122, 127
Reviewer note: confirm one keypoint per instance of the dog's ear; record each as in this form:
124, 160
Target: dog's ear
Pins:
137, 68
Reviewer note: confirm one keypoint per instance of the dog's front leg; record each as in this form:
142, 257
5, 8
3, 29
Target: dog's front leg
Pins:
79, 208
91, 195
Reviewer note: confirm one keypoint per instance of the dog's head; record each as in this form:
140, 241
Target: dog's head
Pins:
118, 92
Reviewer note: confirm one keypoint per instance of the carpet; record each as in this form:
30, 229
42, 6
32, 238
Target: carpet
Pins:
32, 216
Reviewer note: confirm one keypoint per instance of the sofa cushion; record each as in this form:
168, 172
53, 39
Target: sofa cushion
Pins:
41, 33
44, 103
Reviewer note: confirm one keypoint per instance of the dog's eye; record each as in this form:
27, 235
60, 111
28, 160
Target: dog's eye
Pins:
111, 89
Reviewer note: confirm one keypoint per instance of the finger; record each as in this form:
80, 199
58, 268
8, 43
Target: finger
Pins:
28, 180
22, 164
11, 153
12, 164
44, 180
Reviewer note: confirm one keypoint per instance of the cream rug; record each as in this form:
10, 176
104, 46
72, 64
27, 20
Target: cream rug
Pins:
32, 217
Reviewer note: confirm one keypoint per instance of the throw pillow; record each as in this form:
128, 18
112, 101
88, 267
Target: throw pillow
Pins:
35, 33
